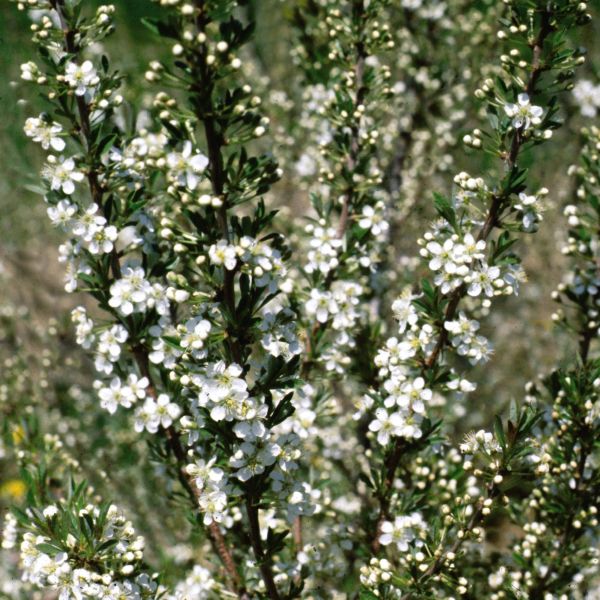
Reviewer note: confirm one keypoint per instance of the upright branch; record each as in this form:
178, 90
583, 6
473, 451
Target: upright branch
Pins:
186, 285
347, 241
468, 261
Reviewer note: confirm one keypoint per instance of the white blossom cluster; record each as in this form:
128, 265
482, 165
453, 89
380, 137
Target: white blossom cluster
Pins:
198, 585
67, 573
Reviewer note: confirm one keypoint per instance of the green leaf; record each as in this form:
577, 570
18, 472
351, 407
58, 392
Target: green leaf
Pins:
445, 210
161, 28
499, 431
49, 549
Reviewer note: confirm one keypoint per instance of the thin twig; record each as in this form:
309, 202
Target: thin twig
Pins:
491, 222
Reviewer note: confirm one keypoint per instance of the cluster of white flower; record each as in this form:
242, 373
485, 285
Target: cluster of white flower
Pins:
225, 395
463, 336
133, 293
140, 154
458, 262
325, 246
115, 573
9, 532
408, 399
212, 486
119, 394
341, 308
198, 585
279, 332
88, 228
258, 259
457, 253
340, 304
377, 572
470, 189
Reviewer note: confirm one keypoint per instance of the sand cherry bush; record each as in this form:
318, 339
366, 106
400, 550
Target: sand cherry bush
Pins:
269, 387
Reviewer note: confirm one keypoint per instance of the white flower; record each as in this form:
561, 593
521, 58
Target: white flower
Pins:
29, 71
404, 310
386, 425
213, 504
154, 414
185, 167
529, 206
305, 166
137, 386
194, 333
130, 293
62, 214
45, 133
62, 174
441, 255
221, 380
320, 305
587, 95
166, 411
373, 218
462, 332
482, 280
223, 254
252, 458
524, 114
414, 395
496, 579
479, 441
205, 473
109, 346
88, 223
197, 585
116, 395
402, 531
81, 77
102, 241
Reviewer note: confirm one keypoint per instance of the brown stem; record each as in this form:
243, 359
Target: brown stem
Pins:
178, 451
358, 10
85, 127
203, 90
264, 561
298, 533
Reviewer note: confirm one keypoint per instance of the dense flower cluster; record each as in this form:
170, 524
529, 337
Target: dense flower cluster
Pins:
116, 566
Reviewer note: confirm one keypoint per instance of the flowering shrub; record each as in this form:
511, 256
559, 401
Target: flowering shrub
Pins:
273, 401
